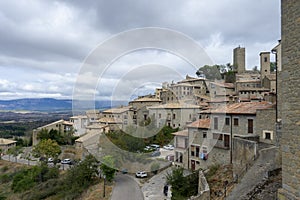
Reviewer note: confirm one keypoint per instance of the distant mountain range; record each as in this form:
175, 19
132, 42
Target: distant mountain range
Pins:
50, 104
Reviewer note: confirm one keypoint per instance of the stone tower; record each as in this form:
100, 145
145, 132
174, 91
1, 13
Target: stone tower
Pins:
239, 60
289, 102
264, 64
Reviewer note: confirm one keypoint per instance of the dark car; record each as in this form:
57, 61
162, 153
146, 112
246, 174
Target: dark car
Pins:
155, 153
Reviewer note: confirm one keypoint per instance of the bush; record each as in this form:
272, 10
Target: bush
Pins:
5, 178
5, 168
27, 178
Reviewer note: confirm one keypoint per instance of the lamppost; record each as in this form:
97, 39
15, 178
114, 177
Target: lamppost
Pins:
104, 177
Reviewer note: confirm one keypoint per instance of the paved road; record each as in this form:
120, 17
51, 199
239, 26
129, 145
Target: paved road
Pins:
153, 188
126, 188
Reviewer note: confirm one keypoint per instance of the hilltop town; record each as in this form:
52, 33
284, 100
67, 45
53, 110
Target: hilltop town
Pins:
234, 137
230, 124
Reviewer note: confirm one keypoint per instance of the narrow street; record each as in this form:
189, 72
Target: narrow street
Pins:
126, 188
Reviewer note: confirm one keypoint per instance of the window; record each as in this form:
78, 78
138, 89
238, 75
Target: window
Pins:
159, 115
226, 141
236, 121
197, 151
204, 135
174, 115
265, 59
227, 121
250, 125
217, 136
267, 135
215, 123
192, 150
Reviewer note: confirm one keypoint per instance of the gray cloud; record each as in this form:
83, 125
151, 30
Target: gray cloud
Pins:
44, 43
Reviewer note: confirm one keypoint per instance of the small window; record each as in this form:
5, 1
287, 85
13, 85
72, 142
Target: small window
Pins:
216, 123
267, 135
227, 121
192, 150
204, 135
250, 125
197, 151
266, 59
174, 115
159, 115
236, 121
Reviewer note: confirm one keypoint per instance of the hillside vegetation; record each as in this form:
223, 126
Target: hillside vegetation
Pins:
42, 182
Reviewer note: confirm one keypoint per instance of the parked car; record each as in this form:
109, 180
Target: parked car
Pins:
155, 153
155, 146
141, 174
148, 149
169, 147
66, 161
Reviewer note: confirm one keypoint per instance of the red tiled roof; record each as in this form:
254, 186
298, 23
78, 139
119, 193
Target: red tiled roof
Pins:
241, 108
201, 123
181, 133
225, 85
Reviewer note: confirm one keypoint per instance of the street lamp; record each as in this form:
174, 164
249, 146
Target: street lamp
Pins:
104, 177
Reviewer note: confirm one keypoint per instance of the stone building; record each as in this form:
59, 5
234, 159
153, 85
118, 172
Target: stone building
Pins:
139, 106
185, 90
175, 115
123, 114
6, 144
181, 144
61, 126
289, 101
210, 138
239, 63
80, 123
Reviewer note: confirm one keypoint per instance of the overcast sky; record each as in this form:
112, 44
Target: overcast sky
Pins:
44, 44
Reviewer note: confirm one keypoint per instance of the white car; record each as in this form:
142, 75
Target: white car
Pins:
141, 174
66, 161
169, 147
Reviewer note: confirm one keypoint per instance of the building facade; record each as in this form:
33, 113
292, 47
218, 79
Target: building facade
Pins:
289, 101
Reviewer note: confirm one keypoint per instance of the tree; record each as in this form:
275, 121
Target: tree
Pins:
183, 186
273, 66
210, 72
108, 167
47, 148
255, 69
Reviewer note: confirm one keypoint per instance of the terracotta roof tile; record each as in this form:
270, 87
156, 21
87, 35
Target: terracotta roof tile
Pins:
181, 133
201, 123
241, 108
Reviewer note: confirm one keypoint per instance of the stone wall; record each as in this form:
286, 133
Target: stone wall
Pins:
289, 102
243, 155
266, 124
